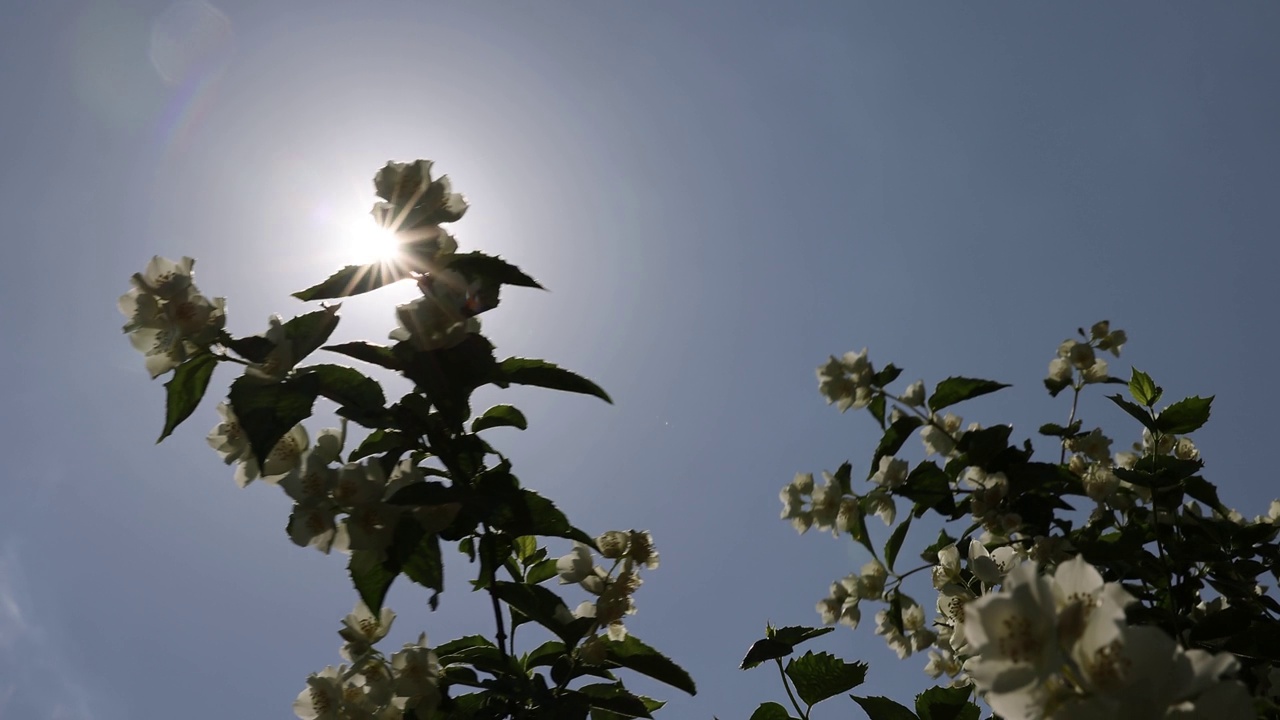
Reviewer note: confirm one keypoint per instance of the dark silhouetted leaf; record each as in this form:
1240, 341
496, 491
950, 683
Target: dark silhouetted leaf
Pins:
958, 389
818, 676
185, 389
527, 371
500, 416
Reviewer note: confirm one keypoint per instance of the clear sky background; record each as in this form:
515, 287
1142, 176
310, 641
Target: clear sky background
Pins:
718, 196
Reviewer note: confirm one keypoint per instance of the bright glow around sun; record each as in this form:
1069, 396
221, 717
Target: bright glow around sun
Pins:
367, 242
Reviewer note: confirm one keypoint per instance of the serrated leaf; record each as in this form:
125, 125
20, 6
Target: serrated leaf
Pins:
446, 651
893, 438
615, 698
958, 389
633, 654
818, 676
877, 407
882, 708
1135, 411
1055, 430
354, 280
480, 266
344, 385
254, 348
796, 634
1143, 388
770, 711
185, 390
930, 487
886, 376
894, 544
545, 654
1055, 387
500, 416
380, 355
541, 571
765, 649
543, 607
378, 442
946, 703
1186, 415
528, 371
309, 331
267, 412
370, 578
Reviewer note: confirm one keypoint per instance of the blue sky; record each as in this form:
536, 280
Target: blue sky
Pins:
718, 196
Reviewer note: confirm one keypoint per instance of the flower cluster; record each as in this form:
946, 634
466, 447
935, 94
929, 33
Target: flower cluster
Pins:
372, 687
1059, 647
415, 205
615, 587
323, 488
1076, 356
169, 320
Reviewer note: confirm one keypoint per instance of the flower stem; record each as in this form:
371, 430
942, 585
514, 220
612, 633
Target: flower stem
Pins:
787, 686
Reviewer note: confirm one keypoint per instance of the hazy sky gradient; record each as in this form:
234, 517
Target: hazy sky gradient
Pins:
718, 196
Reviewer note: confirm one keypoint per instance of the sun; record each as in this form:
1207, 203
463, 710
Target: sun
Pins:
366, 242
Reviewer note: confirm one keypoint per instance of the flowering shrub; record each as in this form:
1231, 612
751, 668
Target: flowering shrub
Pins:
421, 475
1140, 600
1148, 605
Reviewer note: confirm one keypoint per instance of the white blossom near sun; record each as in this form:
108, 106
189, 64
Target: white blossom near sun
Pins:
168, 319
362, 630
442, 317
279, 360
990, 567
914, 394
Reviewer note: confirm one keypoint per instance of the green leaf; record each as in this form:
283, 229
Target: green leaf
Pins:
500, 416
779, 643
796, 634
633, 654
487, 267
893, 439
818, 676
981, 447
353, 280
882, 708
770, 711
1056, 386
308, 332
543, 607
254, 348
424, 565
894, 544
267, 411
380, 355
886, 376
877, 407
1184, 416
527, 371
1143, 388
378, 442
615, 698
930, 554
958, 389
345, 386
766, 649
541, 571
1054, 430
371, 578
946, 703
1136, 411
545, 654
185, 389
930, 487
446, 651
